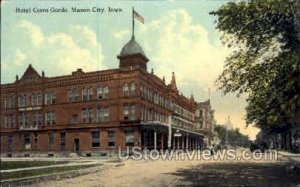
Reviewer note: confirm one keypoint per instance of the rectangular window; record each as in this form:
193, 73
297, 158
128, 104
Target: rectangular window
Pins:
27, 141
129, 138
10, 120
63, 140
50, 118
23, 120
106, 92
50, 140
23, 100
111, 139
9, 102
50, 98
87, 115
126, 112
132, 112
201, 113
96, 139
10, 143
87, 94
142, 114
36, 140
102, 92
74, 95
74, 119
103, 114
36, 99
37, 119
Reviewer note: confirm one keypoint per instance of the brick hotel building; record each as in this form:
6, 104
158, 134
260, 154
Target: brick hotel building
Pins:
95, 113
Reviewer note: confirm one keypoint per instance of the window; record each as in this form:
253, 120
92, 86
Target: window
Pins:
37, 119
102, 92
111, 139
36, 99
73, 95
27, 140
10, 120
62, 140
142, 91
149, 95
74, 119
142, 113
201, 113
50, 98
50, 140
103, 114
9, 102
126, 90
23, 120
126, 112
132, 89
10, 143
96, 139
87, 115
87, 94
36, 140
129, 138
132, 112
50, 118
23, 100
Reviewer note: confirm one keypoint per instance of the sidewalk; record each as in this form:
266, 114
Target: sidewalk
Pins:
53, 166
71, 162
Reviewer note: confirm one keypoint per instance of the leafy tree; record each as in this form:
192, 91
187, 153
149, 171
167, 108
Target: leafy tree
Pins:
234, 137
265, 63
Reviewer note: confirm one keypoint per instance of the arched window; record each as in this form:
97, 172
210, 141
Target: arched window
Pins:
132, 89
126, 90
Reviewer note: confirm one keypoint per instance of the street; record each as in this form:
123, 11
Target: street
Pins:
188, 172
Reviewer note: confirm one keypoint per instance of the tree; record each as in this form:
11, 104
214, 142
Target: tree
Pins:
234, 137
265, 64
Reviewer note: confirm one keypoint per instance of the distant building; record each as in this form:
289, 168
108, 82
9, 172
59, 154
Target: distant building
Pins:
205, 122
97, 112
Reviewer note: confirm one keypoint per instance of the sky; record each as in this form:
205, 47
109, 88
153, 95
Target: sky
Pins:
177, 36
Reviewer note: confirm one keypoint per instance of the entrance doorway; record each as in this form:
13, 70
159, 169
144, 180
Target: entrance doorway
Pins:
76, 144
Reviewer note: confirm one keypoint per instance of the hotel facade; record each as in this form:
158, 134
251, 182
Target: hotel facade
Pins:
96, 113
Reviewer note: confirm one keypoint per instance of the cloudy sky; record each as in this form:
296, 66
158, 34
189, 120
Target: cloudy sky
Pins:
177, 36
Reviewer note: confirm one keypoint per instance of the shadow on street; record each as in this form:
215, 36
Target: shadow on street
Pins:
240, 174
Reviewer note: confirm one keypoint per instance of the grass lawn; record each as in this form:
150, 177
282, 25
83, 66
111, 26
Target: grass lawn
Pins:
5, 165
38, 172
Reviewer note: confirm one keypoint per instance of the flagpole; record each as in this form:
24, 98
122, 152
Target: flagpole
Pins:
132, 22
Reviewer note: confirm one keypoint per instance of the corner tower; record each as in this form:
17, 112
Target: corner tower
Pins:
132, 56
